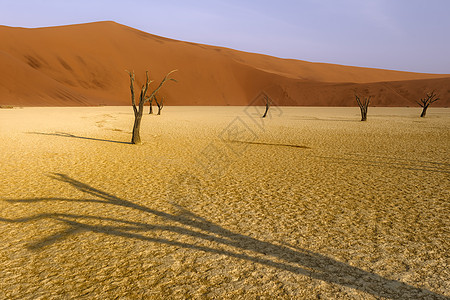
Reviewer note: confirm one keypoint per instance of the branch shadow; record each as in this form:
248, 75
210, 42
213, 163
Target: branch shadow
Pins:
283, 257
270, 144
307, 118
64, 134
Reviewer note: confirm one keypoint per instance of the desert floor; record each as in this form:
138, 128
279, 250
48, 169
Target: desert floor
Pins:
218, 203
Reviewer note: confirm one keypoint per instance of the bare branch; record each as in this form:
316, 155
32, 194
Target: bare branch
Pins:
433, 97
367, 102
434, 100
358, 101
147, 83
420, 103
133, 102
267, 105
161, 84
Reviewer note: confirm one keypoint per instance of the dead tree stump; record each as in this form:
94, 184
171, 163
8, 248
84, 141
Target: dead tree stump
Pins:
425, 102
363, 106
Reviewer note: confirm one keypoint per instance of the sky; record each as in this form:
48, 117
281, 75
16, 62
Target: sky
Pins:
407, 35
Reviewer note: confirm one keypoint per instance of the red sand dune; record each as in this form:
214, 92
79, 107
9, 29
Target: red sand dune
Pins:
85, 65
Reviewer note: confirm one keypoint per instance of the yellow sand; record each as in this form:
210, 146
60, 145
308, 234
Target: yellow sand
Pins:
218, 204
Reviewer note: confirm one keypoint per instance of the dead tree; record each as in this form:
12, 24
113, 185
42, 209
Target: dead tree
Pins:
160, 104
363, 106
267, 105
425, 102
139, 110
151, 106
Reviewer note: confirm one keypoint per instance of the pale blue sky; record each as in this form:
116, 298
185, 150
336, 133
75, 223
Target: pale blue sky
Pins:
409, 35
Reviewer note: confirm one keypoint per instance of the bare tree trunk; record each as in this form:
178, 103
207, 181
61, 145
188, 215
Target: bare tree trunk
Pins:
363, 114
363, 106
136, 137
267, 106
151, 107
160, 105
424, 111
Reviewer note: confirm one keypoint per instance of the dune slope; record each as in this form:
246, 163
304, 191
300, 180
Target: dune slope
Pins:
85, 64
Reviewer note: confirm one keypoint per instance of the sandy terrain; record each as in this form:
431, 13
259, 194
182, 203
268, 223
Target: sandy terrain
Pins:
85, 64
311, 203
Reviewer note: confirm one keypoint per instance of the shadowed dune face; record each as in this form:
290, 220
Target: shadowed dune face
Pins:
85, 65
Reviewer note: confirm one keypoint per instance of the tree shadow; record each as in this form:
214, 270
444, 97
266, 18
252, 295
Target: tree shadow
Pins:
69, 135
271, 144
283, 257
331, 119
